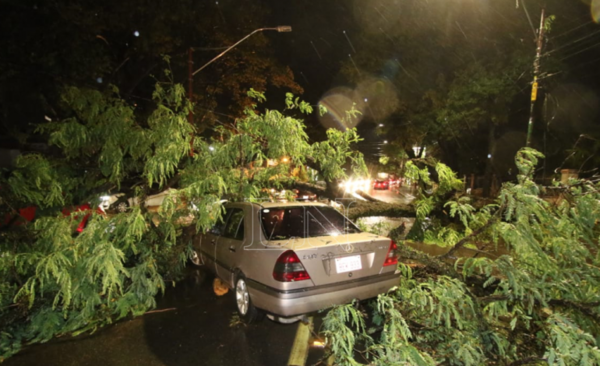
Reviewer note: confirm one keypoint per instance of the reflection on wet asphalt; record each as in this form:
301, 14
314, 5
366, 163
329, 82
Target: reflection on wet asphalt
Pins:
191, 327
402, 195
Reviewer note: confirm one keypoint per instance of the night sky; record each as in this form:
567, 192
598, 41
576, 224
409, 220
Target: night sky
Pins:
326, 36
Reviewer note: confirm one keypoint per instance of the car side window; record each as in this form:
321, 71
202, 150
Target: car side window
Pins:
219, 227
235, 225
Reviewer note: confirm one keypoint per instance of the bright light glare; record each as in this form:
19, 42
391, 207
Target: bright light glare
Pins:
353, 185
136, 33
318, 344
211, 148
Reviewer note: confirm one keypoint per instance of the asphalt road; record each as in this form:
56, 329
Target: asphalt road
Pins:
395, 194
190, 327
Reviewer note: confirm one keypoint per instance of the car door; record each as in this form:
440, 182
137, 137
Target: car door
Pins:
208, 245
230, 245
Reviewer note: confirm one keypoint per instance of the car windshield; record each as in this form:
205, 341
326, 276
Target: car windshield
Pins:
304, 222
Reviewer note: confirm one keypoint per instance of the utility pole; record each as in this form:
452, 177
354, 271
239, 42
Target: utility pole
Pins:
190, 93
190, 80
536, 73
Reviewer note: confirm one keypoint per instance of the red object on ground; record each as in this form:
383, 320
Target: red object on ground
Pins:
85, 208
28, 214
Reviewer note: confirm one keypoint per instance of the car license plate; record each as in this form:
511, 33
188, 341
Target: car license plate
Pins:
305, 197
347, 264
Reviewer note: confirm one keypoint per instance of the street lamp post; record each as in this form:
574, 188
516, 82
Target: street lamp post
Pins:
281, 28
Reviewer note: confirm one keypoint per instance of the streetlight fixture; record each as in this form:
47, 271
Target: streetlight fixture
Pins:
280, 28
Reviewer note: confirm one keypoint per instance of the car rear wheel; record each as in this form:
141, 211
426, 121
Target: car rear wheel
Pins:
248, 312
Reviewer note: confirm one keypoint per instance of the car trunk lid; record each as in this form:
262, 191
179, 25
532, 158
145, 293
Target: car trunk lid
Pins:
345, 257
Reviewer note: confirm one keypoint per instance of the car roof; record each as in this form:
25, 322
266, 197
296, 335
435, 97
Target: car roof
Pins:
267, 204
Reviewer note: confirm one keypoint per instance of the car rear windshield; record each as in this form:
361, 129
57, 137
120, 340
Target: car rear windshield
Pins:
303, 222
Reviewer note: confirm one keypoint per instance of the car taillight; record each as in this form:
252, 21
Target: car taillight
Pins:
289, 268
392, 257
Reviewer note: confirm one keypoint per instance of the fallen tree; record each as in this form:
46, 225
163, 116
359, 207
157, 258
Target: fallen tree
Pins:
360, 209
537, 304
55, 281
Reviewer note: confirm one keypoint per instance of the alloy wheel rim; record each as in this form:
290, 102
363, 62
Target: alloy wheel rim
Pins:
122, 207
241, 295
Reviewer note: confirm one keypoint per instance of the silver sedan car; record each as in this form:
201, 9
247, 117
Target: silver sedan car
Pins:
290, 259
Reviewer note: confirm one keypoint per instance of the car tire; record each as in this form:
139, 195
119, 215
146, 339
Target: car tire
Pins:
247, 311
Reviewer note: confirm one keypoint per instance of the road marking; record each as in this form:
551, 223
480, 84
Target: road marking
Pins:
299, 352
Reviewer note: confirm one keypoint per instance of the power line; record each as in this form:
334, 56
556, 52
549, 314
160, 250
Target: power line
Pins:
571, 43
572, 30
580, 51
529, 18
571, 69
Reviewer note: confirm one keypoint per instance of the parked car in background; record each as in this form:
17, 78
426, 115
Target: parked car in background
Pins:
304, 195
289, 259
381, 184
393, 181
119, 202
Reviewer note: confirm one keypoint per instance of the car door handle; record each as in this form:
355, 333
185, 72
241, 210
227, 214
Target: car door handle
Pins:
232, 249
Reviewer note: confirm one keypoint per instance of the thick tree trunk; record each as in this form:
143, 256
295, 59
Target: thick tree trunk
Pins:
365, 209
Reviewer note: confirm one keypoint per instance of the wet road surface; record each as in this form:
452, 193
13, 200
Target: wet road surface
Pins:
191, 326
401, 195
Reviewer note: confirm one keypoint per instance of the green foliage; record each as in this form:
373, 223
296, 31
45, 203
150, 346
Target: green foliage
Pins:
343, 325
548, 22
430, 196
36, 182
292, 103
527, 294
379, 228
570, 345
463, 209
